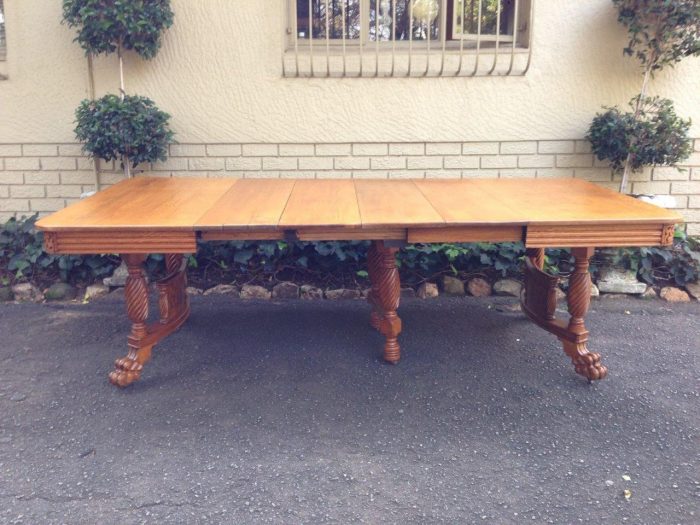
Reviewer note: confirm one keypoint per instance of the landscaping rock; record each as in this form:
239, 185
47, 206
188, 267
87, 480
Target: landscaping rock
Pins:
95, 291
27, 292
60, 292
692, 288
649, 294
191, 290
613, 280
222, 289
672, 294
561, 295
594, 291
408, 292
252, 291
6, 294
428, 291
507, 287
310, 292
452, 286
506, 308
285, 290
479, 287
342, 293
118, 278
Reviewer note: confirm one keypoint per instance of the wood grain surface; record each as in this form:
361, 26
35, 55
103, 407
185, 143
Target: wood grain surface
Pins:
542, 212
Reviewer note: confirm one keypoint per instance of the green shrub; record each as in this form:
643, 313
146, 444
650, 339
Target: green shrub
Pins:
661, 33
104, 25
112, 128
656, 137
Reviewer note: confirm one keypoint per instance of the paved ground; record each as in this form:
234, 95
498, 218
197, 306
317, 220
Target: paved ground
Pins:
283, 413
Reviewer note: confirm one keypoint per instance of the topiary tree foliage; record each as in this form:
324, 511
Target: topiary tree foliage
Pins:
662, 33
649, 135
131, 129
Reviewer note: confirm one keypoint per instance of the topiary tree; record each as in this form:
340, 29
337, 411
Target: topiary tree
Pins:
662, 33
649, 135
131, 129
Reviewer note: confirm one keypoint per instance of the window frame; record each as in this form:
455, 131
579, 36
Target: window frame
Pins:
446, 29
364, 40
500, 37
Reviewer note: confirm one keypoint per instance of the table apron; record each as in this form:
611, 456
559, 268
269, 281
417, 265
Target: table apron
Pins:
534, 236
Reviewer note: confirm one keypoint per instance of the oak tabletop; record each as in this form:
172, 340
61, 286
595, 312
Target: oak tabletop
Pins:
194, 204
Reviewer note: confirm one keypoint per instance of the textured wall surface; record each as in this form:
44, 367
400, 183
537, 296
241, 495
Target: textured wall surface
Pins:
219, 75
45, 177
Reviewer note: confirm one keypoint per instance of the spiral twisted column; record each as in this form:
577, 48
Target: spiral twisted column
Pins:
376, 316
128, 369
386, 295
537, 256
586, 363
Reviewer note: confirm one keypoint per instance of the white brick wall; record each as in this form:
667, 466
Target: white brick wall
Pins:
45, 177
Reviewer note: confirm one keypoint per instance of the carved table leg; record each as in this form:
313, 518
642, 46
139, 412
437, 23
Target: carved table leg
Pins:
385, 296
128, 369
536, 255
376, 315
586, 363
174, 309
539, 303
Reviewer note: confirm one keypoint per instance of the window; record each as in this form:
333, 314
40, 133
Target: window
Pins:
489, 19
3, 45
416, 37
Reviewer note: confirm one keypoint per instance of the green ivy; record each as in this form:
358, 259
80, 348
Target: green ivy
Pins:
105, 24
657, 137
134, 127
22, 258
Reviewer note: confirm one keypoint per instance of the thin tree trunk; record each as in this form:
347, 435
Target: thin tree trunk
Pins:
91, 95
637, 110
645, 84
122, 95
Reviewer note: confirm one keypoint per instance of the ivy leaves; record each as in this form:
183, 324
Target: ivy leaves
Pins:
22, 256
104, 24
112, 128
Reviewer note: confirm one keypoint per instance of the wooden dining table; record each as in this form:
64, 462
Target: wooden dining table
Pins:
147, 215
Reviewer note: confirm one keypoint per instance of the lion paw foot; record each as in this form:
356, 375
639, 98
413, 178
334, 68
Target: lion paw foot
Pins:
590, 367
127, 371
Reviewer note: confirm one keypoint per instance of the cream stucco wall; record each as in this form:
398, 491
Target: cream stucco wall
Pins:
219, 75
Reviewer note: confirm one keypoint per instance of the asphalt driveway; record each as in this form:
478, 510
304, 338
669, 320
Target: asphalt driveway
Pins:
263, 412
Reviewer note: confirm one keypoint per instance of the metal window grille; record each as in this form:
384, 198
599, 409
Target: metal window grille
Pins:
3, 44
408, 38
